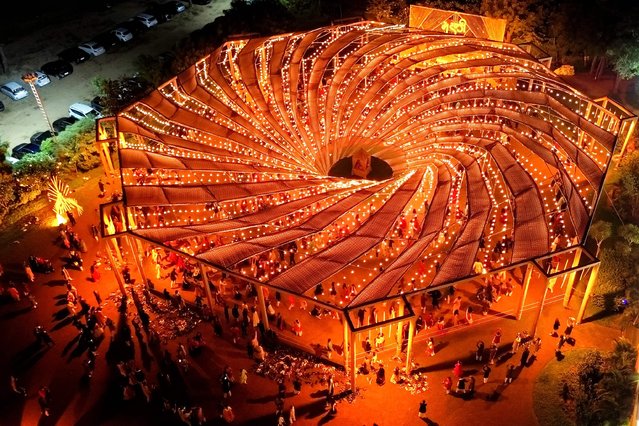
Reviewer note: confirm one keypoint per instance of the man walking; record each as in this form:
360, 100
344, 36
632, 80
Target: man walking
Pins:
486, 370
479, 353
422, 409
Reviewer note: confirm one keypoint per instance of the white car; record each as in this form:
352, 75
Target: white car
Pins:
92, 48
42, 79
79, 110
122, 34
147, 20
14, 90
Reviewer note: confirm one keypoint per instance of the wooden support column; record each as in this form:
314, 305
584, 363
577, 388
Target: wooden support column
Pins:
207, 287
409, 347
103, 160
353, 362
533, 329
109, 160
571, 278
262, 303
400, 324
591, 283
345, 345
116, 270
116, 247
139, 246
524, 289
136, 257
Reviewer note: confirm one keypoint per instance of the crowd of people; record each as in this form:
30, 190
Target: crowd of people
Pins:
236, 315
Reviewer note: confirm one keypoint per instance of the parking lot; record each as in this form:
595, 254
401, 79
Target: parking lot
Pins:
22, 118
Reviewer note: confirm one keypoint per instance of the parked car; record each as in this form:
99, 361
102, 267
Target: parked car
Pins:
174, 7
122, 34
1, 106
201, 2
14, 90
42, 79
147, 20
58, 68
40, 137
134, 26
75, 55
159, 13
97, 104
92, 48
62, 123
107, 40
79, 110
23, 149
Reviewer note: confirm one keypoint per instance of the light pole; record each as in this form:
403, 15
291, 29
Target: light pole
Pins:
30, 78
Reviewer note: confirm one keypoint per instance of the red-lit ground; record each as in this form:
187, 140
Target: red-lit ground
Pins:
60, 368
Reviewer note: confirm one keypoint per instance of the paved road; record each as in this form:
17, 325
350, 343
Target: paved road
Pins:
22, 118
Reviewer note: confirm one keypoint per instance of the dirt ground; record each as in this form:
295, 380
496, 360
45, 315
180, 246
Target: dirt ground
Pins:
22, 118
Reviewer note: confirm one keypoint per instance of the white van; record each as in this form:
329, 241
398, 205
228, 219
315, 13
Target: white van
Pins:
79, 110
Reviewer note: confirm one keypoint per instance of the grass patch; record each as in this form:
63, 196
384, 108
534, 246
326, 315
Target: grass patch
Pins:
600, 316
547, 401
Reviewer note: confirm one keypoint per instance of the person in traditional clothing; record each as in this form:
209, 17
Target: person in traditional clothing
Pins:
458, 370
95, 272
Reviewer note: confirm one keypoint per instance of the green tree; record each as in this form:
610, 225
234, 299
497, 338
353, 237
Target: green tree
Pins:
389, 11
154, 69
7, 183
525, 19
623, 48
568, 40
600, 231
581, 381
601, 387
122, 92
615, 391
624, 55
616, 275
625, 187
303, 9
630, 233
74, 148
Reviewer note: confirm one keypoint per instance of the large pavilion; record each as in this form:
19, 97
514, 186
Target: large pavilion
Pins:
261, 164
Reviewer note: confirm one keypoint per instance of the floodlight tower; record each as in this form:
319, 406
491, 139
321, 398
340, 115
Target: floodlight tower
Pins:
30, 78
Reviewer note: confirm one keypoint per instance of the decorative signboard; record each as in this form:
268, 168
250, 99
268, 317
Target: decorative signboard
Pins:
457, 23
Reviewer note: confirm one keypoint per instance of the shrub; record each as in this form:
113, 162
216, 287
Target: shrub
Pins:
580, 382
600, 388
615, 276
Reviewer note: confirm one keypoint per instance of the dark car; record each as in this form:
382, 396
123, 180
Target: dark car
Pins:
97, 104
202, 2
108, 41
160, 13
135, 26
74, 55
58, 69
40, 137
1, 106
23, 149
173, 7
62, 123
